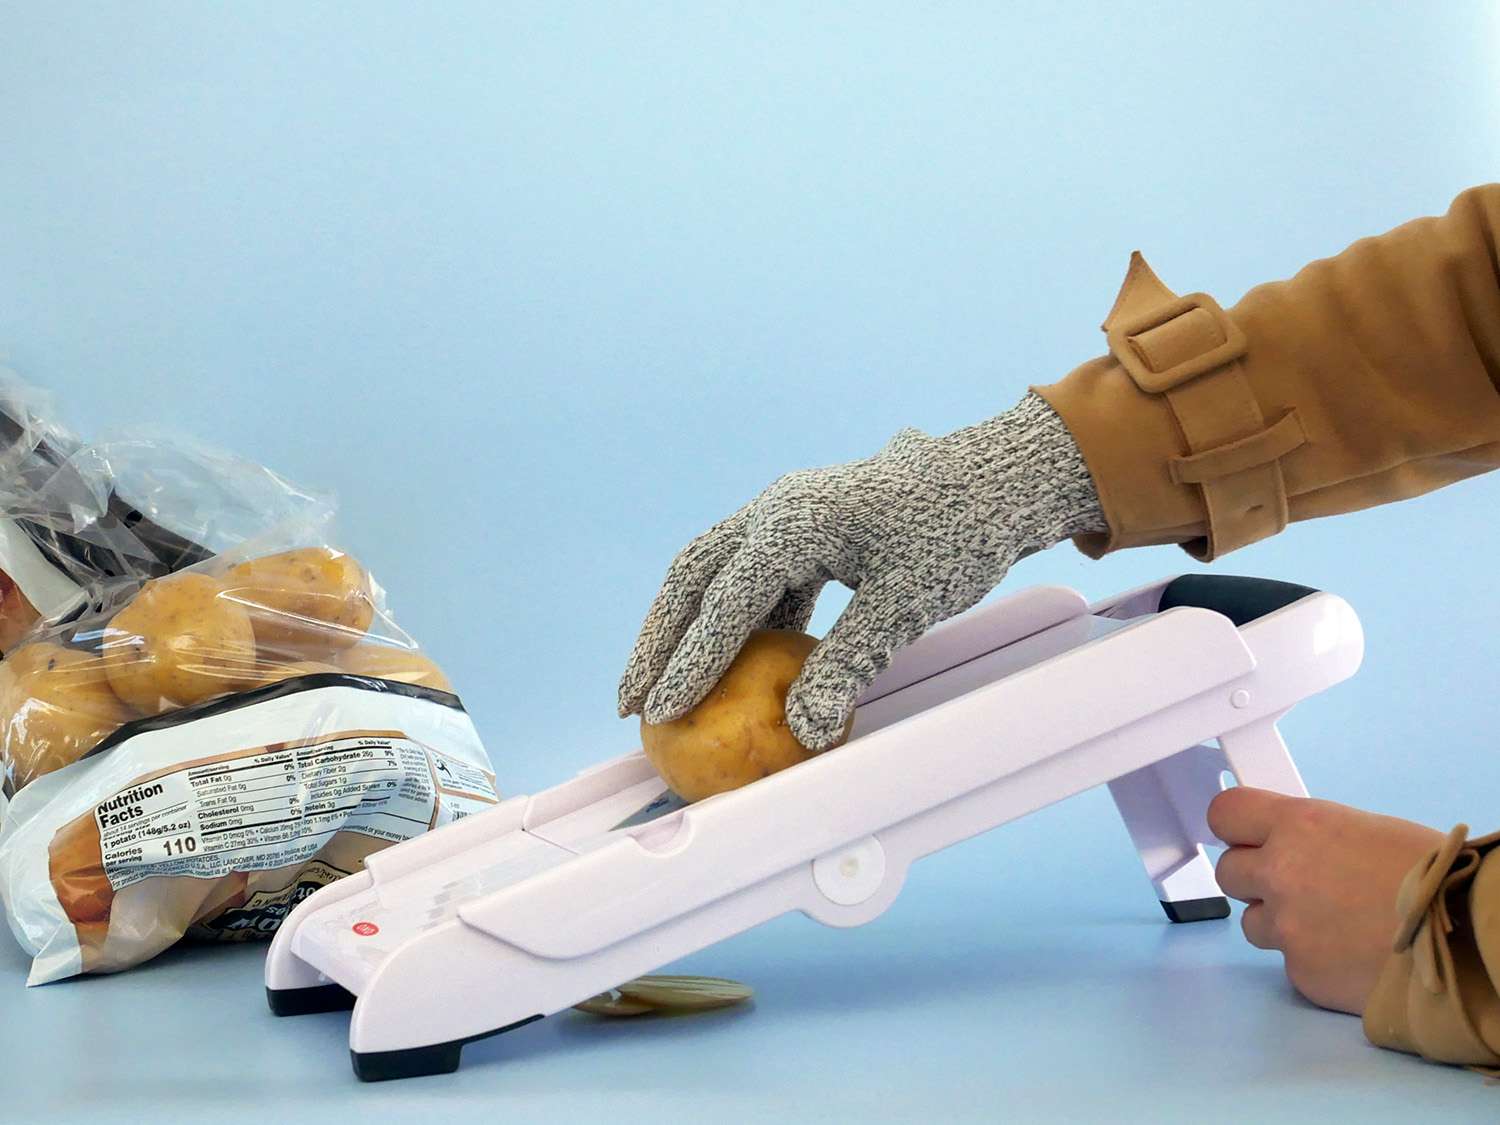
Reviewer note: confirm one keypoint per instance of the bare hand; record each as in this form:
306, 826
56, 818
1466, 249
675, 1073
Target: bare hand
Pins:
1320, 880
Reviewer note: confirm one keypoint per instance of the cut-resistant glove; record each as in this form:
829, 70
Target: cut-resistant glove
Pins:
920, 532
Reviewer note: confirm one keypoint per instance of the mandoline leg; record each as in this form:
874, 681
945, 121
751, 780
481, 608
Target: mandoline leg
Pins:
1163, 805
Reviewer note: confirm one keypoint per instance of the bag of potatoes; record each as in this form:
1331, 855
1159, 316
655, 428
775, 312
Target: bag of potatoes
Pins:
204, 753
206, 712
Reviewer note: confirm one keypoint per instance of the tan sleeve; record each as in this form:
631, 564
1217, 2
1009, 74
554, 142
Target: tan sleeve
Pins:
1437, 995
1368, 377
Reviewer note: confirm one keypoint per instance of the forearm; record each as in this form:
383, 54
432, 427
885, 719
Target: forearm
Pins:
1368, 377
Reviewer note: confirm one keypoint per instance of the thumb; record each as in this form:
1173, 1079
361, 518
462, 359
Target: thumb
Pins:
882, 617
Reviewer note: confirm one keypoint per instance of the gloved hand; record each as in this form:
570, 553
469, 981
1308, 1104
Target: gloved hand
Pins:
920, 532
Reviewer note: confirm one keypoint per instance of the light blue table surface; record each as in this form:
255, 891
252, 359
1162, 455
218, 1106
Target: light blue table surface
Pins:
543, 290
1028, 976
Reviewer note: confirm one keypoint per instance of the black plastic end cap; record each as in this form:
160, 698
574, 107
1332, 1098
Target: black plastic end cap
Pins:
306, 1001
414, 1062
1196, 909
418, 1062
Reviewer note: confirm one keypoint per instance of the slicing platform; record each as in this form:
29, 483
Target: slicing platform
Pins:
527, 908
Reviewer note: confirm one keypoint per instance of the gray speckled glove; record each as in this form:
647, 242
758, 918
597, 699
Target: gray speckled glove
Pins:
920, 532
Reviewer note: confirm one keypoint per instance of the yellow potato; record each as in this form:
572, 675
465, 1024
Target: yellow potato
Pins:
55, 706
179, 642
388, 662
17, 615
738, 734
313, 601
75, 864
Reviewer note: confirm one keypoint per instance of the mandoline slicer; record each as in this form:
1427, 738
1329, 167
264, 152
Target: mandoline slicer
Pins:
543, 901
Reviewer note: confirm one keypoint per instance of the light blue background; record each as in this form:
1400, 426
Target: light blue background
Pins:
543, 290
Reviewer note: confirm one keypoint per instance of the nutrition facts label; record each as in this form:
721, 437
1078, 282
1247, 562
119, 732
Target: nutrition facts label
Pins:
263, 809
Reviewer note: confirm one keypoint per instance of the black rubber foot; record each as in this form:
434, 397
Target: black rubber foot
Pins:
416, 1062
1196, 909
306, 1001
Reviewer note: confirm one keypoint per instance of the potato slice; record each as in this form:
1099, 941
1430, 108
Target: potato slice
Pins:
667, 994
685, 994
614, 1003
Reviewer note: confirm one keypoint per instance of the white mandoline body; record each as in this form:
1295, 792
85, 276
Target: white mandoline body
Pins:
527, 908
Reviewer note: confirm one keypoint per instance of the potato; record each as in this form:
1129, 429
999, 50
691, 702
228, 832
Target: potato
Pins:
55, 706
310, 602
179, 642
17, 615
738, 734
75, 864
388, 662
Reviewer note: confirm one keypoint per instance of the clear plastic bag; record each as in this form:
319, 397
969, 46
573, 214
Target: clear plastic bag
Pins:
221, 718
78, 521
32, 449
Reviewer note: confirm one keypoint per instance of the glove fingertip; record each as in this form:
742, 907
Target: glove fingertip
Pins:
666, 702
817, 729
630, 694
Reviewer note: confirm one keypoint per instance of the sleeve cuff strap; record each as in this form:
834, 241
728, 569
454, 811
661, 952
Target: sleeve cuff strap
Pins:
1187, 352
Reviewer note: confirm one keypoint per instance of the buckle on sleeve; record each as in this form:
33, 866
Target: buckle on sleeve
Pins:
1165, 346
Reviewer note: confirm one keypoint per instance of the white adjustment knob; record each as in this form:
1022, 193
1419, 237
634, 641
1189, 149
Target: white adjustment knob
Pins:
852, 874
